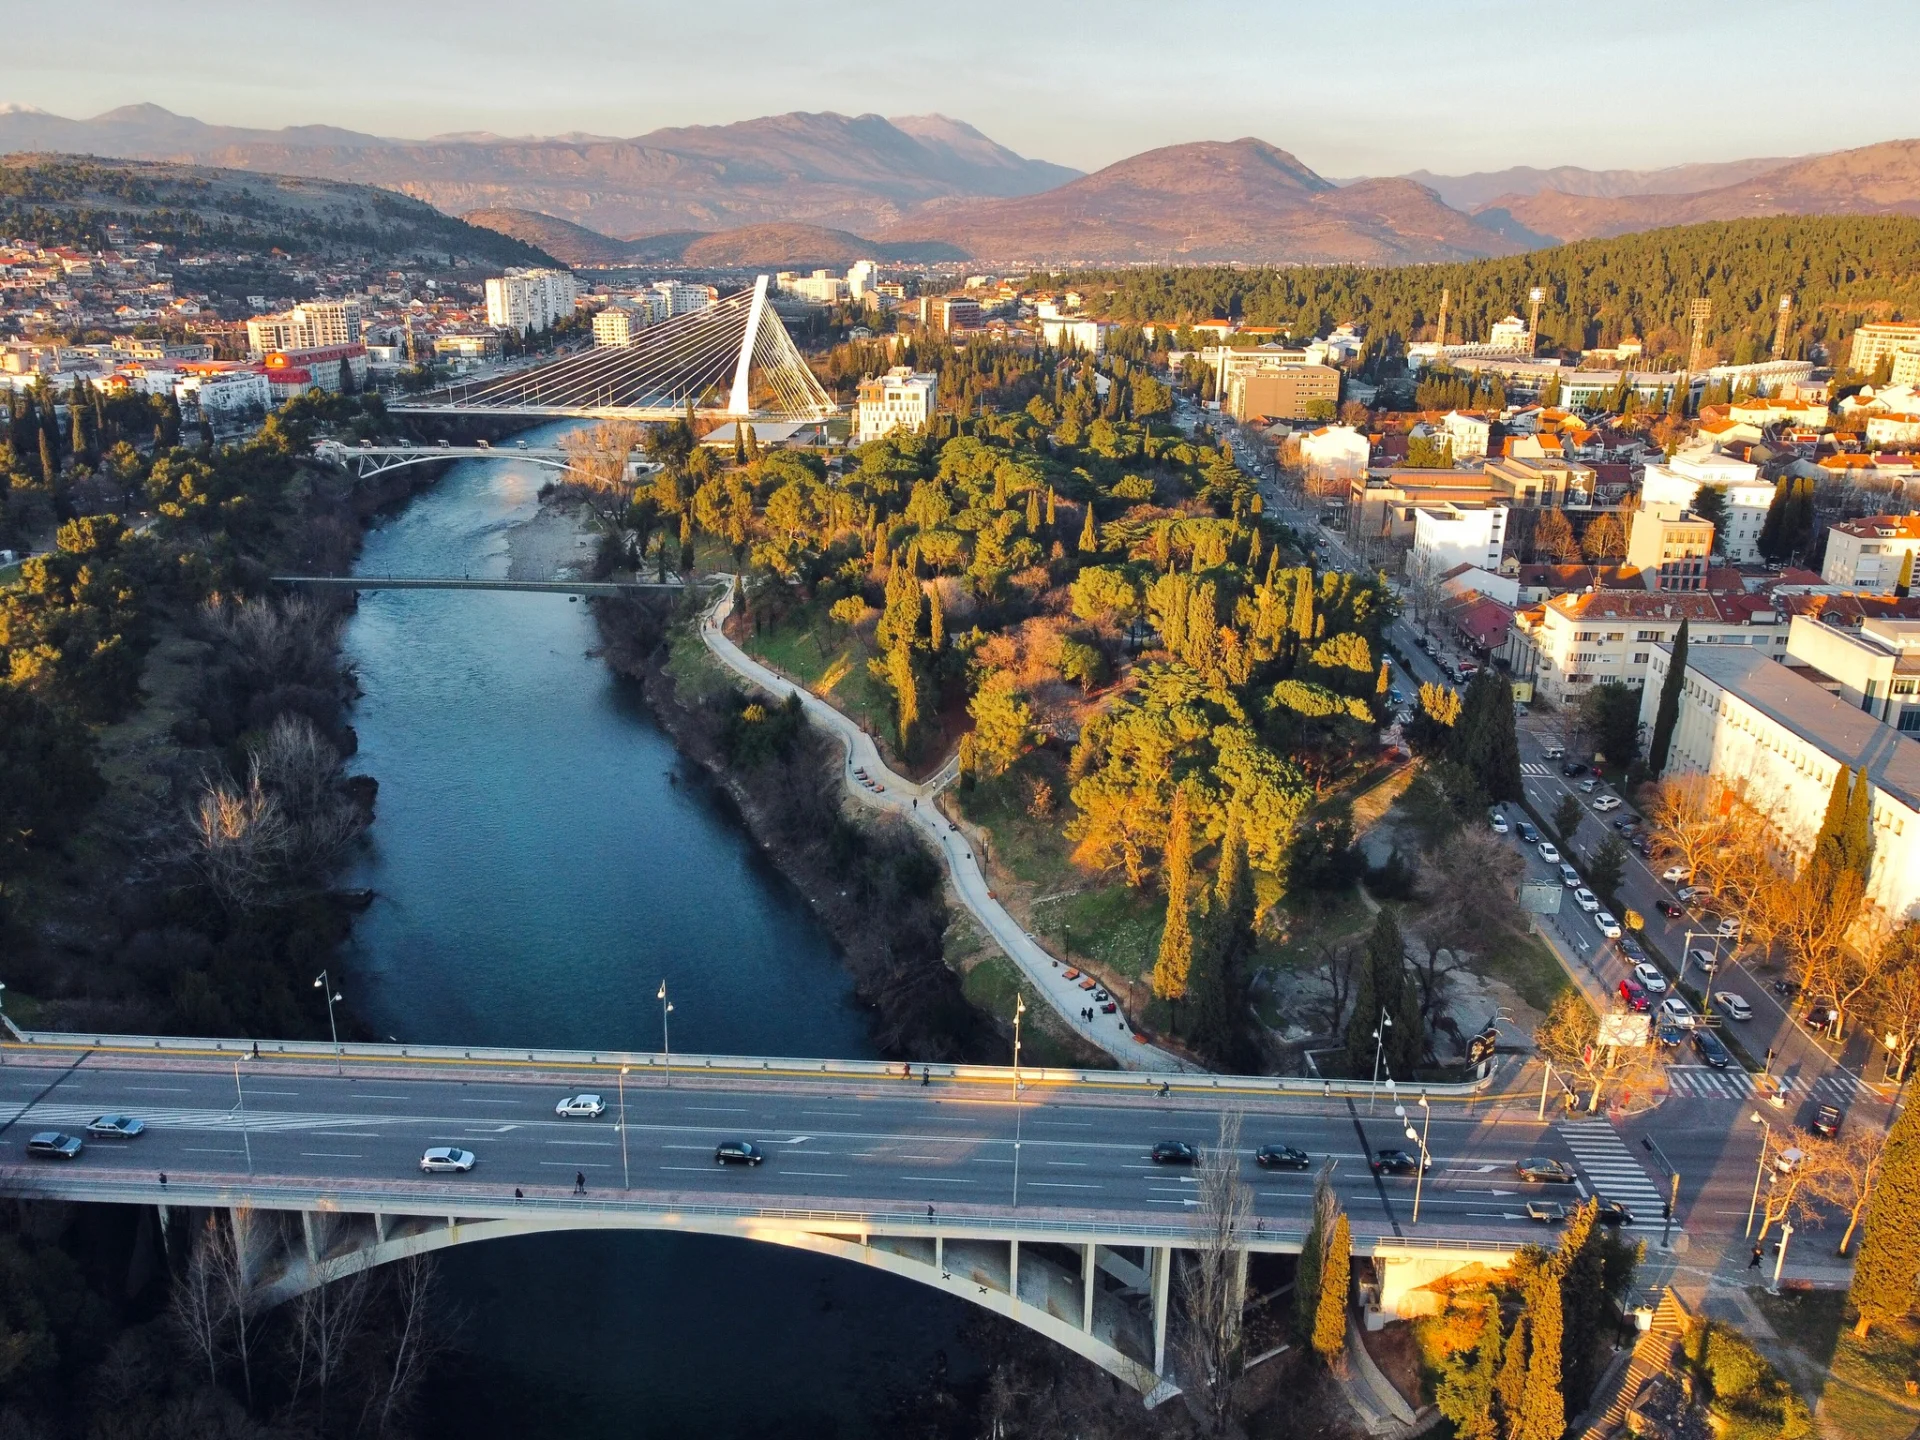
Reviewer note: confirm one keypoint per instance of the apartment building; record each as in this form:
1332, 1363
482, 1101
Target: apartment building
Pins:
318, 365
529, 300
1669, 546
1572, 642
1874, 343
822, 287
902, 399
1293, 392
1335, 452
682, 297
1781, 739
1677, 485
1382, 504
1875, 667
1074, 332
311, 325
949, 312
1874, 554
615, 327
1469, 435
1448, 535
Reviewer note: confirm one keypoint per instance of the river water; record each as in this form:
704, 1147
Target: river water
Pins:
543, 861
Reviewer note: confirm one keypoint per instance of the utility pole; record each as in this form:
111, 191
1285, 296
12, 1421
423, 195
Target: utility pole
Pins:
1780, 326
666, 1042
1379, 1045
625, 1172
322, 982
1019, 1009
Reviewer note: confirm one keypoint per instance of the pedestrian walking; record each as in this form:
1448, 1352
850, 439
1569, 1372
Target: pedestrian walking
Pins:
926, 1075
517, 1193
163, 1179
1753, 1261
579, 1182
929, 1212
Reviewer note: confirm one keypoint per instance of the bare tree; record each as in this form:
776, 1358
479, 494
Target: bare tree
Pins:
1213, 1283
415, 1285
1339, 963
1422, 589
237, 838
276, 642
1846, 1181
197, 1305
1473, 880
1893, 1004
326, 1321
1690, 823
302, 772
234, 1277
599, 456
1796, 1194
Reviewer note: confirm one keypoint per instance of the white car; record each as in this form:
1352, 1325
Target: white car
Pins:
581, 1107
1676, 1011
1555, 752
1605, 804
1733, 1006
1651, 979
1674, 874
1497, 821
1549, 852
1607, 925
1727, 929
444, 1159
1586, 899
1589, 785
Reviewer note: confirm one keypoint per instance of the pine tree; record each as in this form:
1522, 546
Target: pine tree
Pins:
1174, 963
1089, 541
936, 622
1543, 1408
1336, 1277
1888, 1269
1667, 715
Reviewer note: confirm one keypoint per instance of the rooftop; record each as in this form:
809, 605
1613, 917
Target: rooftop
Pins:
1882, 527
1824, 721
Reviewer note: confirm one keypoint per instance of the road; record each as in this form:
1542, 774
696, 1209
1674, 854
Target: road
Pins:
869, 781
841, 1143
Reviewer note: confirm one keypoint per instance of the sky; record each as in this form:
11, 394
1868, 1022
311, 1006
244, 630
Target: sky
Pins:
1350, 86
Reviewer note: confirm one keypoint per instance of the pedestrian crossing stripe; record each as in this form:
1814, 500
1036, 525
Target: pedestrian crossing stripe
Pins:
1705, 1083
1612, 1170
1528, 767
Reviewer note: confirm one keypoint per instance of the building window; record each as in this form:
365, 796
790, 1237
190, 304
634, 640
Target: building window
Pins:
1640, 657
1910, 720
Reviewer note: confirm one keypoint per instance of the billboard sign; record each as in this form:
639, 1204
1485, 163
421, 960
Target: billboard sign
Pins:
1623, 1027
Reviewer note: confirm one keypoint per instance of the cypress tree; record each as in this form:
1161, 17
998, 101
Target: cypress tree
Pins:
1089, 542
1888, 1269
1583, 1297
1174, 964
1253, 551
1050, 509
1033, 512
1382, 683
1465, 1394
936, 622
1773, 528
1543, 1408
1386, 984
1484, 739
1510, 1386
49, 465
1667, 714
1830, 844
1218, 985
1857, 837
1313, 1255
739, 445
1336, 1274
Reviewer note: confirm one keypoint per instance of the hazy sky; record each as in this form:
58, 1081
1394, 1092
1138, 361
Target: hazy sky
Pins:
1350, 86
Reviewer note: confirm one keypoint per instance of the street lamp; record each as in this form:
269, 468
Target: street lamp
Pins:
1019, 1009
666, 1043
1426, 1121
1780, 1260
1766, 1139
626, 1173
321, 982
1379, 1046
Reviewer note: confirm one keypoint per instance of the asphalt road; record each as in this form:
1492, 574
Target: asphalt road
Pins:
839, 1144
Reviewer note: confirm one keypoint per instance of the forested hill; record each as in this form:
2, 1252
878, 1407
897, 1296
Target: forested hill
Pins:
1841, 270
71, 200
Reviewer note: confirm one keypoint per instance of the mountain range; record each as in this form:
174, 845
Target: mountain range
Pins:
804, 187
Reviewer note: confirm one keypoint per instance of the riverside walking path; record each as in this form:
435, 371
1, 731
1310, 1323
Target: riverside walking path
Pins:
1047, 976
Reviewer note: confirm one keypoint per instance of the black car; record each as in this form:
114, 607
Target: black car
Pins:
1526, 832
738, 1152
1573, 768
1395, 1162
1826, 1121
1538, 1170
1612, 1212
1669, 909
1281, 1157
1712, 1050
1174, 1152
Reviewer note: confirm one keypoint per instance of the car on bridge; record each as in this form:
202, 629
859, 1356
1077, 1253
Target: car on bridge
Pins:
445, 1160
1549, 852
115, 1127
1174, 1152
1541, 1170
1397, 1162
54, 1145
738, 1152
1586, 899
1607, 925
581, 1107
1281, 1157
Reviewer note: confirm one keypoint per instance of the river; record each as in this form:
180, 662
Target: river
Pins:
543, 860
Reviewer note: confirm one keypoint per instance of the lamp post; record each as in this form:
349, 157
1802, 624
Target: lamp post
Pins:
1766, 1139
625, 1173
1379, 1047
666, 1042
1019, 1009
240, 1109
1426, 1120
322, 982
1780, 1259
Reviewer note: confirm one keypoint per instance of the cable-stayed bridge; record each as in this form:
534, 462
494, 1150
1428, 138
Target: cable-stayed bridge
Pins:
733, 360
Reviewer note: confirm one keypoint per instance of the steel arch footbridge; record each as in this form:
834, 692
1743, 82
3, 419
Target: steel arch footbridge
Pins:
732, 360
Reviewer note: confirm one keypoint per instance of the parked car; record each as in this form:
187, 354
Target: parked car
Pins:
1636, 997
1826, 1121
1624, 824
1788, 1160
1497, 821
1524, 829
1547, 1212
1712, 1050
738, 1152
1397, 1162
1687, 894
1589, 785
1540, 1170
1669, 909
1727, 929
1705, 959
54, 1145
1674, 874
1607, 802
445, 1159
1586, 899
1569, 876
1281, 1157
1573, 768
1675, 1011
1651, 976
115, 1127
1732, 1005
1607, 925
1549, 852
581, 1107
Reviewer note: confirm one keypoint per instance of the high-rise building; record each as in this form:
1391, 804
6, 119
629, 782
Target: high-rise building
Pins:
617, 325
1669, 546
683, 298
528, 300
310, 325
1874, 343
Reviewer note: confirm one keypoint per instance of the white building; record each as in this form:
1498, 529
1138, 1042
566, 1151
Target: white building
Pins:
1574, 641
823, 287
683, 298
1876, 667
529, 300
1448, 535
1781, 739
1335, 452
862, 276
310, 325
902, 399
1679, 482
1468, 434
1075, 332
225, 392
1511, 335
618, 326
1874, 554
1874, 343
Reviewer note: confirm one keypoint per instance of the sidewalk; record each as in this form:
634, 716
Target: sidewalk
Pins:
904, 798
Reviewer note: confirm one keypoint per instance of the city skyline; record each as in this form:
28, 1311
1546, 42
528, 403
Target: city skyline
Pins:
1048, 85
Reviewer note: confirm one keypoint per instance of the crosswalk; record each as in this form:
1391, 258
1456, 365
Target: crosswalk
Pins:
1702, 1082
1535, 769
1611, 1169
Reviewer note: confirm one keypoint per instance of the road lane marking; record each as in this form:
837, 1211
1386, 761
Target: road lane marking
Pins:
687, 1169
936, 1180
817, 1174
672, 1147
1061, 1185
572, 1165
715, 1109
1068, 1164
157, 1089
331, 1155
203, 1150
592, 1144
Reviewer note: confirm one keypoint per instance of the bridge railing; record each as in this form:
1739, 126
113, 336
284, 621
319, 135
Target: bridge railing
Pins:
656, 1063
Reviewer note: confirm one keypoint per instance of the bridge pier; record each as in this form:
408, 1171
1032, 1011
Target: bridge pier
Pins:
1160, 1257
1089, 1269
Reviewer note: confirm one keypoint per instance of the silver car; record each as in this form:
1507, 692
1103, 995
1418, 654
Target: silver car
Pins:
445, 1159
581, 1107
115, 1127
